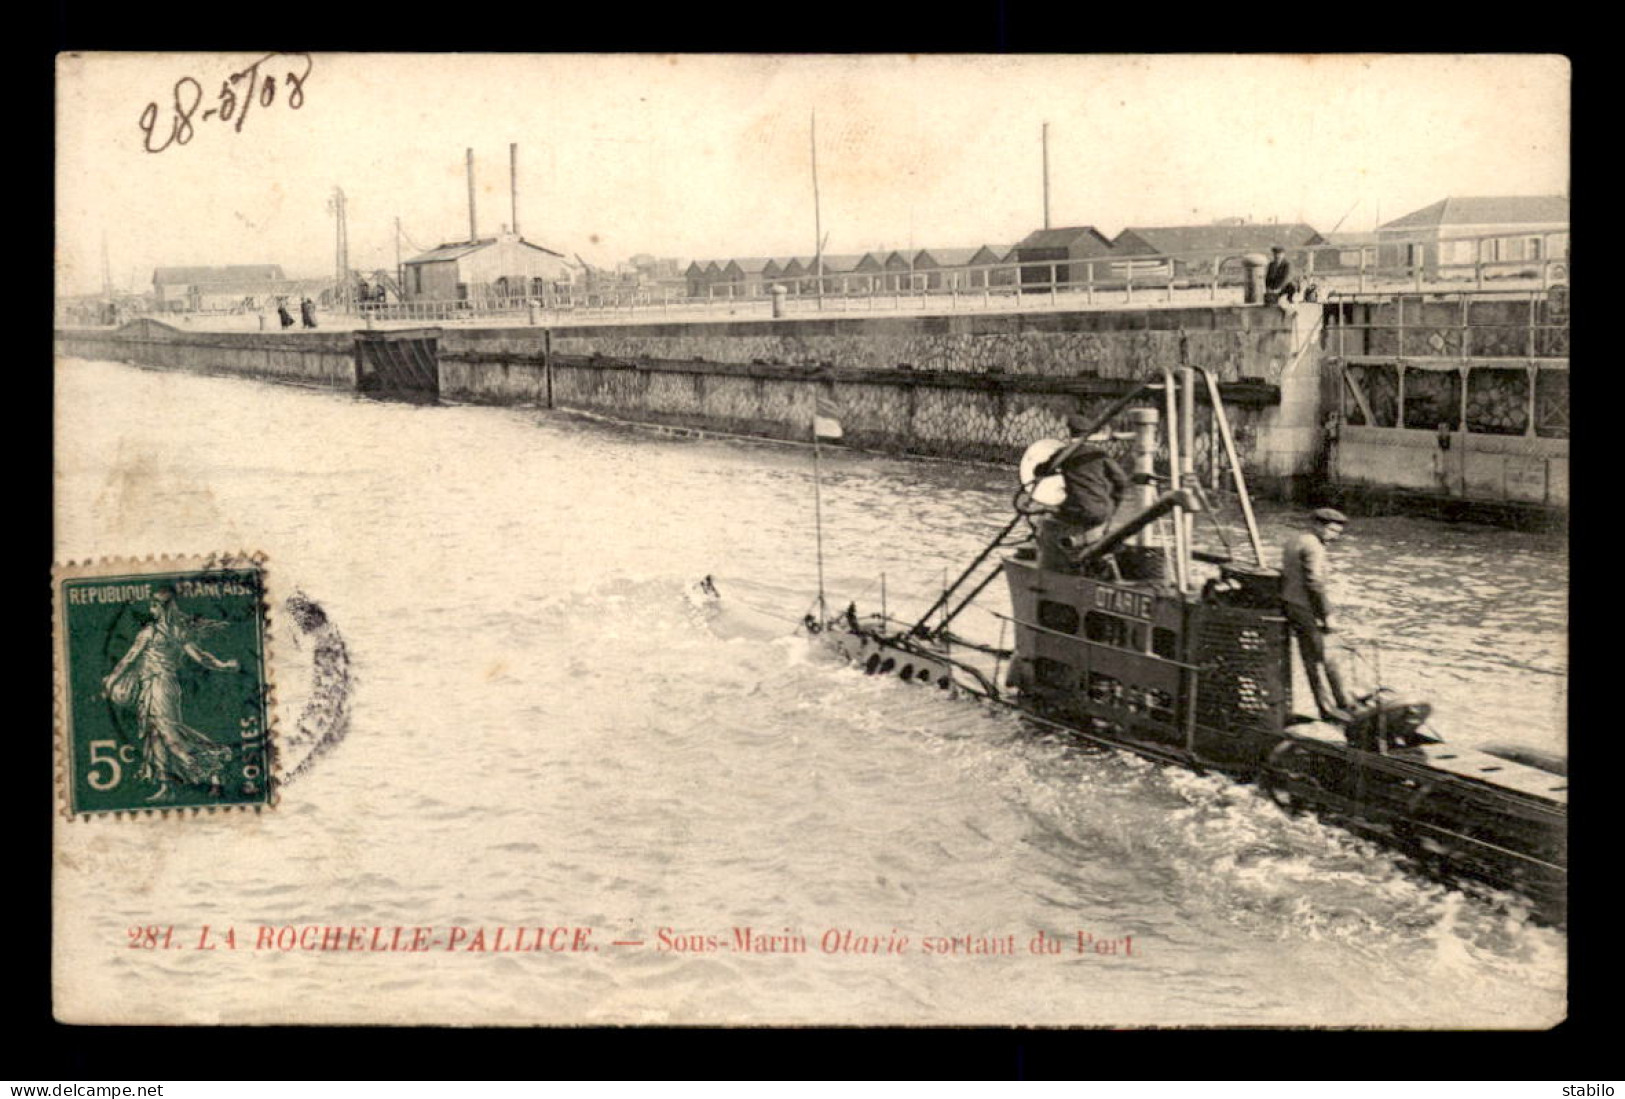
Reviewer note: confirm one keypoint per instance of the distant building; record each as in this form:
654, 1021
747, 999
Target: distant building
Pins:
504, 266
1347, 252
656, 274
1196, 251
899, 268
870, 272
840, 272
1059, 250
701, 276
200, 288
1477, 230
794, 274
745, 276
961, 268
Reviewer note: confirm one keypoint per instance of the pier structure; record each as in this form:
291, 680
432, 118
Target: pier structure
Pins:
1457, 404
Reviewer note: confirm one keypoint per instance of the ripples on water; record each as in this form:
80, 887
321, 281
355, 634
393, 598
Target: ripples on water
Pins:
546, 730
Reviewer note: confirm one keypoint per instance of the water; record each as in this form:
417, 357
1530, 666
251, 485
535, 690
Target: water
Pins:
547, 732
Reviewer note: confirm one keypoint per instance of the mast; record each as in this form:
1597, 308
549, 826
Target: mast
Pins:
1046, 175
107, 270
341, 248
513, 185
472, 234
818, 220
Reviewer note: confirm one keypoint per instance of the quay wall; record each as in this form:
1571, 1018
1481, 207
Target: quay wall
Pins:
1232, 341
981, 387
977, 387
325, 359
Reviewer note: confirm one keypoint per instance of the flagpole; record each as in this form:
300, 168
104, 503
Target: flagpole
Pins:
818, 523
818, 221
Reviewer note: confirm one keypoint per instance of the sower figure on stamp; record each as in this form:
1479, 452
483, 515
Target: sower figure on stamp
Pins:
1304, 573
148, 678
1095, 485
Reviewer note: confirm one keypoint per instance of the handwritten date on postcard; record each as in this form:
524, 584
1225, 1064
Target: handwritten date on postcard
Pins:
240, 92
570, 939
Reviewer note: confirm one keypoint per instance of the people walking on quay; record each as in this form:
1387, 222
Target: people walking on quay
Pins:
1278, 284
1305, 571
1095, 486
307, 312
282, 312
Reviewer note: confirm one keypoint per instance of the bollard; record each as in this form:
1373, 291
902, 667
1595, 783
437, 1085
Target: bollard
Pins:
1252, 265
779, 293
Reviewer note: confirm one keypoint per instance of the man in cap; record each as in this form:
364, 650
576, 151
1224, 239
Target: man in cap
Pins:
1278, 284
1095, 485
1304, 573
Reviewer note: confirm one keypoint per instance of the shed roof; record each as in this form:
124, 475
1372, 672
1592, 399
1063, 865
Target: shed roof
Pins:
1173, 239
1493, 210
459, 248
846, 261
944, 257
1069, 237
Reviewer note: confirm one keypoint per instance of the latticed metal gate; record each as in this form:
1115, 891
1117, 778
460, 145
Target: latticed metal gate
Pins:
1246, 675
402, 364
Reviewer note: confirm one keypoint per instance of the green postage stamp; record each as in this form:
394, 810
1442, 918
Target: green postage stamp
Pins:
162, 694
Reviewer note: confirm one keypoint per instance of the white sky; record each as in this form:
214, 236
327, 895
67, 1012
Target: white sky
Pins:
708, 157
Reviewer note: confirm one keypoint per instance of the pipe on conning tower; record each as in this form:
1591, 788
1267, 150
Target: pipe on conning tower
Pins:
1165, 503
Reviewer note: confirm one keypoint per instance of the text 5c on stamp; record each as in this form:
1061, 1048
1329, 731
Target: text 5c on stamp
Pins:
163, 700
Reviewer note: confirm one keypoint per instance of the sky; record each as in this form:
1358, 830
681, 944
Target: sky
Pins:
696, 156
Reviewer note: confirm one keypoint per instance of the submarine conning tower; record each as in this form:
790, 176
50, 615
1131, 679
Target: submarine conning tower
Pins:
1127, 646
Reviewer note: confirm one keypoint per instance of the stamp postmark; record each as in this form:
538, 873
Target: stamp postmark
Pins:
163, 689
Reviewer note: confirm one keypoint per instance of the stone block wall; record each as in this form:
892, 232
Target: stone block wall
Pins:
324, 359
1232, 341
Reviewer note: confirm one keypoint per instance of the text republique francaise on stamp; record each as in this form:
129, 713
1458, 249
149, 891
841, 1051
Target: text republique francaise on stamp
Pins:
162, 691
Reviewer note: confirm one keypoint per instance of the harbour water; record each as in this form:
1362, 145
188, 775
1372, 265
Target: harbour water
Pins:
546, 731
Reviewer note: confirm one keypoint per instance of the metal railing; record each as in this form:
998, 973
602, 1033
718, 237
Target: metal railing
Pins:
1396, 326
1328, 272
1325, 272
